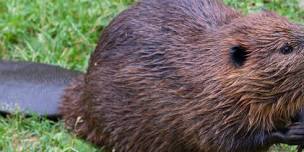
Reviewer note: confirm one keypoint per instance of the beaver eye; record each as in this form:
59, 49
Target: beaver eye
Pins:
238, 55
286, 49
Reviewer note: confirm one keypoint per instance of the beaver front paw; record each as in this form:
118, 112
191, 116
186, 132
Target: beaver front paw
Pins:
292, 135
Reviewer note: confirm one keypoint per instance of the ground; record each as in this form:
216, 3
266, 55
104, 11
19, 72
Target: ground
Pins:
65, 33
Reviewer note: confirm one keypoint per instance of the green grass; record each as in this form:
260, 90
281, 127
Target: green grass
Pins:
35, 134
57, 32
64, 32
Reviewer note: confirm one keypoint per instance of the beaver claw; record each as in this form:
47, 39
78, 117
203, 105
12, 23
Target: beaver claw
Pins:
300, 148
293, 135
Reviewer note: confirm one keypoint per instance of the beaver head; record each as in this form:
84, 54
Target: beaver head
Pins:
264, 54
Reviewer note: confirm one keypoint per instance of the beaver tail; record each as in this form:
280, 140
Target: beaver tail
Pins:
29, 88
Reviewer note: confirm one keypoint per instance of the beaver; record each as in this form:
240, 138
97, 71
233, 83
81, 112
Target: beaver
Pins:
190, 76
177, 75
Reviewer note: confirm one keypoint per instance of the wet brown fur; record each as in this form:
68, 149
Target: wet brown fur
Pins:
161, 80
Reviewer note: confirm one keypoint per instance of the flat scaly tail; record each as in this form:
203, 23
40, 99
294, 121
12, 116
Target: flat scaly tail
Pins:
29, 88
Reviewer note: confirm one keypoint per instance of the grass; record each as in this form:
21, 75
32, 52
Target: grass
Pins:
36, 134
57, 32
65, 33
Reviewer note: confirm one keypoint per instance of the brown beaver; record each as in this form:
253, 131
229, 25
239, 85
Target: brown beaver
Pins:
191, 76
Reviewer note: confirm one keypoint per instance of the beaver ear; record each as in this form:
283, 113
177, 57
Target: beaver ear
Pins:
238, 55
